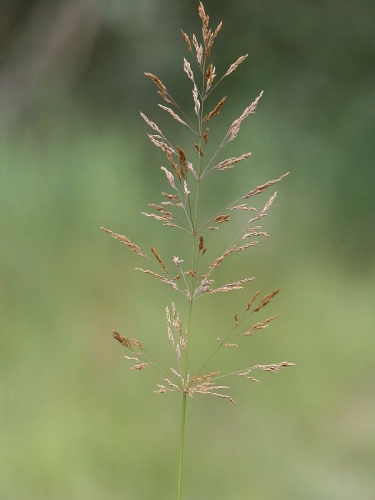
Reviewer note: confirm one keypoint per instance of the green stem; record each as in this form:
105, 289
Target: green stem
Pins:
182, 441
194, 268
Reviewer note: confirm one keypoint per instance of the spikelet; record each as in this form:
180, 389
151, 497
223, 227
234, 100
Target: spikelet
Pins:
158, 258
161, 278
216, 110
263, 187
235, 65
124, 240
267, 299
230, 162
173, 114
236, 125
258, 326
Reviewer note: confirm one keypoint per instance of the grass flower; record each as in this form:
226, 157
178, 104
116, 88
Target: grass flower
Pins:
179, 210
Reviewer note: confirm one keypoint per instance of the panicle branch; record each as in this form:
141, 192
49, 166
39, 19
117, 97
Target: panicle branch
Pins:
267, 299
235, 65
236, 125
263, 187
124, 240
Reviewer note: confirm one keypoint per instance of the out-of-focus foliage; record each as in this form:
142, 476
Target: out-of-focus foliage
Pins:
76, 423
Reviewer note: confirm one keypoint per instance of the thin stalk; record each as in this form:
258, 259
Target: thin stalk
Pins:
182, 441
194, 259
194, 268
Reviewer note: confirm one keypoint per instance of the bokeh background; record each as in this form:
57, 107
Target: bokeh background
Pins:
75, 422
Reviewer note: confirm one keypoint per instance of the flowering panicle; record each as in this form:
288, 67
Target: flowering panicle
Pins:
178, 208
207, 246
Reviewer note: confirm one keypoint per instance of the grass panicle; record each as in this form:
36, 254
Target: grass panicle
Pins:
193, 275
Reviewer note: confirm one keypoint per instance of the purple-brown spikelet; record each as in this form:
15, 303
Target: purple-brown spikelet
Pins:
216, 110
124, 240
267, 299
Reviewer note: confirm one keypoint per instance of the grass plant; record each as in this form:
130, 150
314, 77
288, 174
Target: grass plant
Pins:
209, 240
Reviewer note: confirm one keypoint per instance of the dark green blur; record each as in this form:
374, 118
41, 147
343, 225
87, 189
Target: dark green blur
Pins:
75, 422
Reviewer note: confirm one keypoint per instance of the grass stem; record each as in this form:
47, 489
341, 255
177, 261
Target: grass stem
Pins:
182, 441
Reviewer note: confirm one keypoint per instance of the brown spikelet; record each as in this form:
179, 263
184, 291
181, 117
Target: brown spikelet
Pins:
173, 164
204, 17
246, 246
162, 389
216, 263
124, 240
236, 320
158, 141
258, 326
210, 76
151, 123
127, 342
162, 210
244, 375
264, 210
230, 162
197, 104
268, 204
222, 218
263, 187
252, 300
191, 273
169, 196
235, 65
235, 127
162, 89
160, 85
274, 367
189, 71
198, 50
173, 114
141, 366
205, 135
208, 387
167, 281
216, 110
158, 258
170, 177
201, 378
198, 149
219, 26
195, 43
266, 299
183, 161
201, 245
243, 206
229, 287
187, 40
137, 343
162, 218
254, 234
208, 50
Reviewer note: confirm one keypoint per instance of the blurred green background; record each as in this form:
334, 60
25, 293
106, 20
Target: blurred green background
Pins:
75, 422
